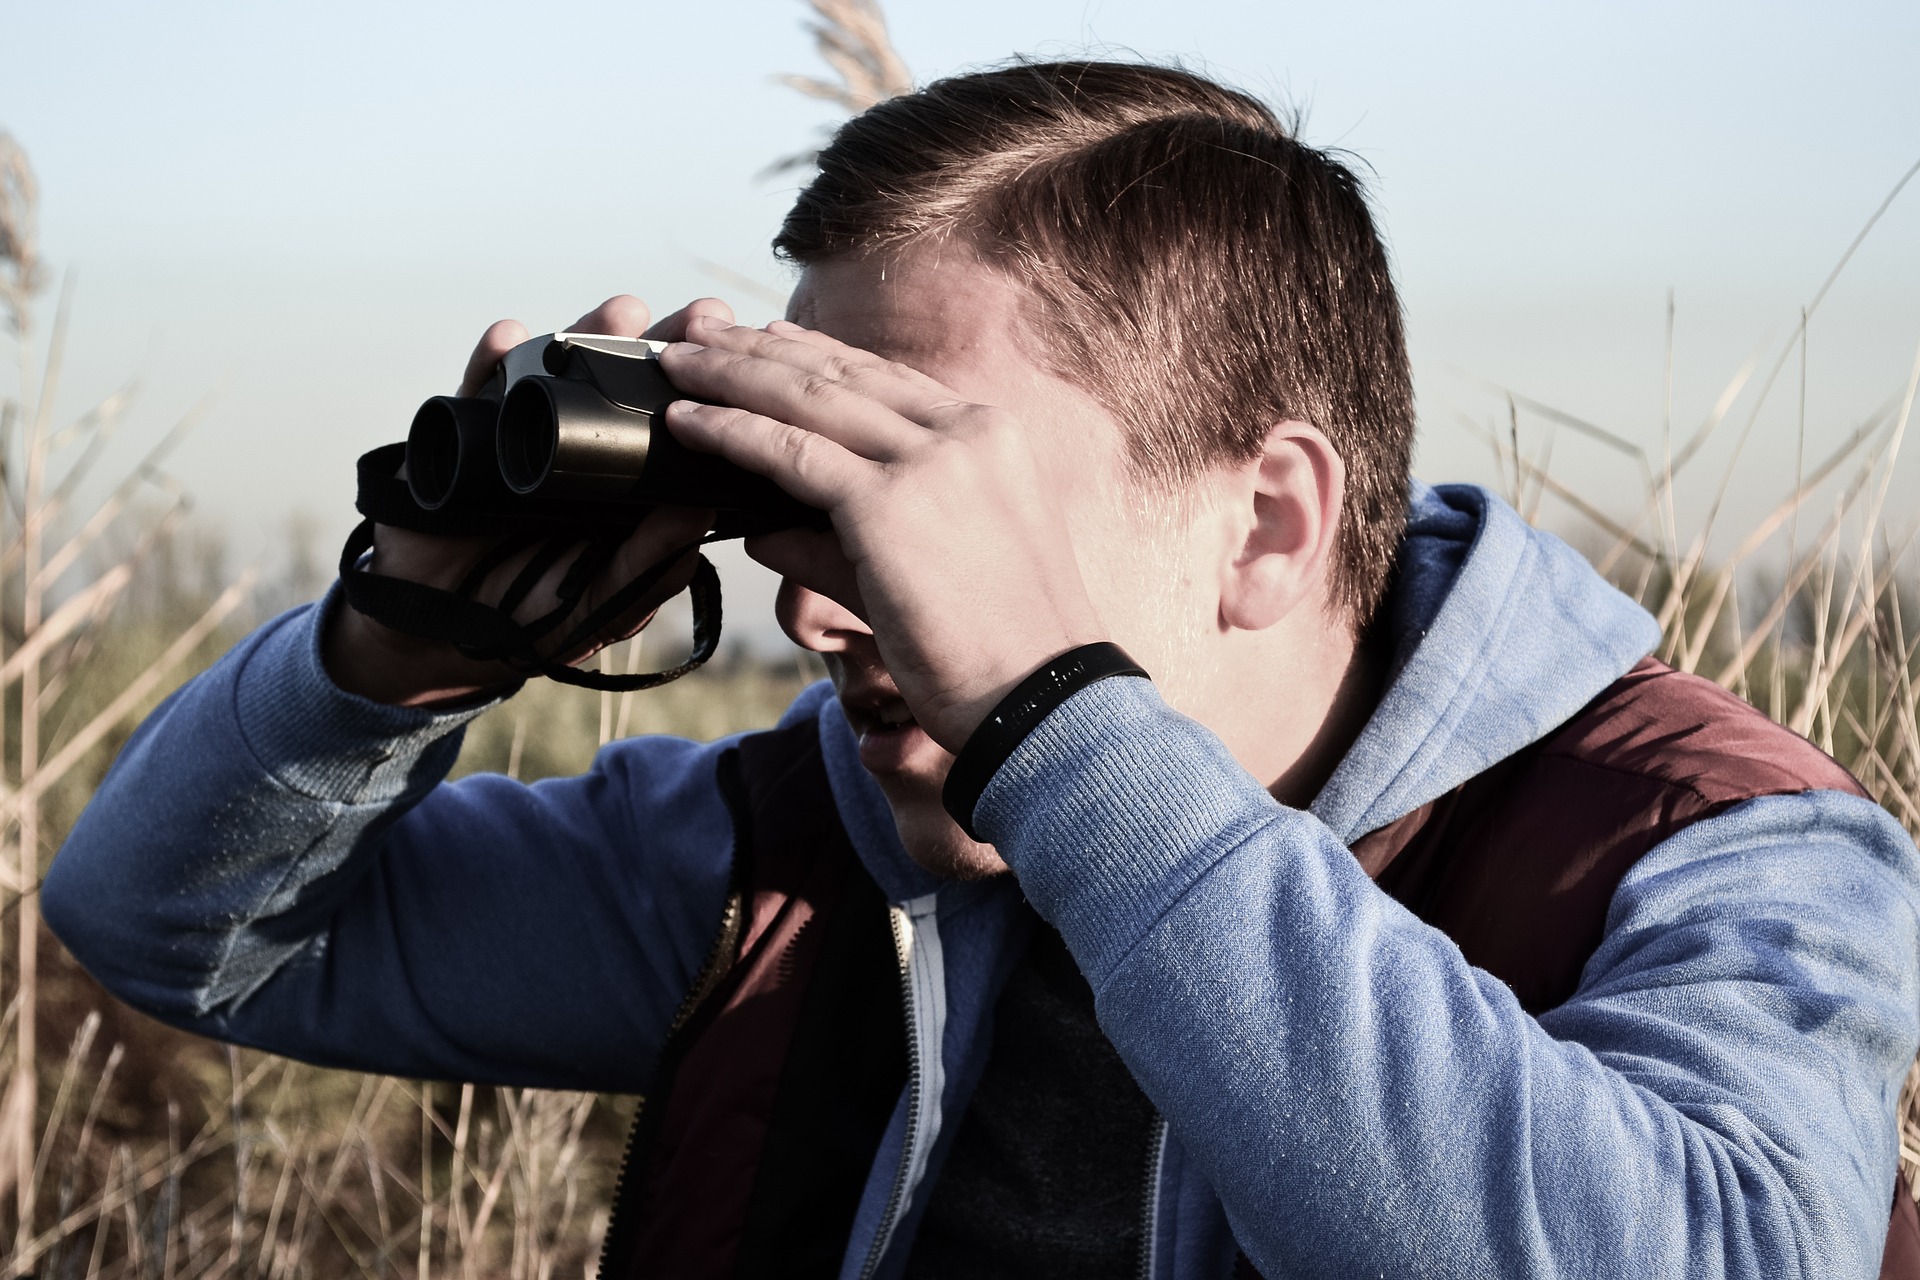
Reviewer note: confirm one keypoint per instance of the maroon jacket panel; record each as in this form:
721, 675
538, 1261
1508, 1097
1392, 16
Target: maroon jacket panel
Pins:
696, 1183
1519, 865
1902, 1258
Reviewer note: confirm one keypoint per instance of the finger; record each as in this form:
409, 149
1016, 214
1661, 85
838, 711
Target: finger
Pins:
677, 579
832, 346
501, 337
643, 610
814, 559
806, 464
667, 533
621, 316
899, 386
674, 327
748, 373
664, 531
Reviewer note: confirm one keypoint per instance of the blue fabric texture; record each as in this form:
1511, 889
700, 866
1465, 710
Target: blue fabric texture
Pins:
276, 862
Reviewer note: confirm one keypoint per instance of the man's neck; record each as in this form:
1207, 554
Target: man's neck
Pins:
1289, 703
1354, 698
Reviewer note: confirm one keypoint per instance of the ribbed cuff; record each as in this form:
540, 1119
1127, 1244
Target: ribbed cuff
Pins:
1017, 714
1111, 809
324, 742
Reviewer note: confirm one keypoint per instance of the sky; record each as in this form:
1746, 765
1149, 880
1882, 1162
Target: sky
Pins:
311, 212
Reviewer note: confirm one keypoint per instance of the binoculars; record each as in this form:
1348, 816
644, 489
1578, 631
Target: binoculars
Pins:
570, 430
558, 457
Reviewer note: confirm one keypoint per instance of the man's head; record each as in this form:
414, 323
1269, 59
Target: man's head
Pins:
1148, 267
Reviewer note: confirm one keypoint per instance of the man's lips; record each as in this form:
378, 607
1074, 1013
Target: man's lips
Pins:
890, 740
872, 705
888, 716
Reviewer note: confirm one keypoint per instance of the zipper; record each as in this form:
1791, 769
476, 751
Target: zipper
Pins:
1150, 1206
720, 958
916, 946
719, 962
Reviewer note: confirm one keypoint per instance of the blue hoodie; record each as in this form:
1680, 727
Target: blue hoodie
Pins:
276, 862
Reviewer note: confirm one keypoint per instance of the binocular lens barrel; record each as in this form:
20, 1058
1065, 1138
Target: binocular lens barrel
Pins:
560, 438
526, 438
450, 452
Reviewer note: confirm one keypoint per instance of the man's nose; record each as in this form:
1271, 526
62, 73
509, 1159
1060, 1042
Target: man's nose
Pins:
815, 622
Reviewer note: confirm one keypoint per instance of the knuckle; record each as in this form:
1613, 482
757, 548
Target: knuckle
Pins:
818, 388
944, 456
869, 373
798, 448
839, 369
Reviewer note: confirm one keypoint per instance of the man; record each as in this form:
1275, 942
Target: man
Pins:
1405, 922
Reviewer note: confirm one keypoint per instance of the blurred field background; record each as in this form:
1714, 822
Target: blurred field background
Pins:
1788, 573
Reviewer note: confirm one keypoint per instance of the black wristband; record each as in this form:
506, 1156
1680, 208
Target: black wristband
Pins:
1019, 714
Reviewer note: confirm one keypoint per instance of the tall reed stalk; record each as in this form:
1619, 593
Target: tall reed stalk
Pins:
49, 556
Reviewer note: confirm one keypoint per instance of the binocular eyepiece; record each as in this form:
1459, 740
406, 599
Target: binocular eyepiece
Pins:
570, 429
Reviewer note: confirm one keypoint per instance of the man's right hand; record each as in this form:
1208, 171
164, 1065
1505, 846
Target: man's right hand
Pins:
364, 657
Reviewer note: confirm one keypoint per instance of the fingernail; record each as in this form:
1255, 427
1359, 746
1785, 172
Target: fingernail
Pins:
783, 326
708, 322
684, 348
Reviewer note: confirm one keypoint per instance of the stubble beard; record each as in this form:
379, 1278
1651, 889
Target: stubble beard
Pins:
931, 837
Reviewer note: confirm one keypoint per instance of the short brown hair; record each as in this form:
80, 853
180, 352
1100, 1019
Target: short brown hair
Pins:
1199, 270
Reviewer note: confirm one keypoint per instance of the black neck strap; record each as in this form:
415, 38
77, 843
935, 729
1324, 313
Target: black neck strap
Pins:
491, 632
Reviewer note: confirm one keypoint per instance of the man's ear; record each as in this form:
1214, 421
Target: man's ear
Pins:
1290, 497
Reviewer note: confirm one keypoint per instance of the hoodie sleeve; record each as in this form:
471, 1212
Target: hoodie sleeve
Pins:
275, 862
1716, 1100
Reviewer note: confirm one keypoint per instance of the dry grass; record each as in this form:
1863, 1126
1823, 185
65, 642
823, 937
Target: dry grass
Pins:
128, 1150
64, 695
273, 1169
549, 730
851, 37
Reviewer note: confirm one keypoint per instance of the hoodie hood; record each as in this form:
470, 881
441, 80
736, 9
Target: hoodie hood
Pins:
1499, 632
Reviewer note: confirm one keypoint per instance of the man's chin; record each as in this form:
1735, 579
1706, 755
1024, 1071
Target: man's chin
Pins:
932, 838
951, 856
